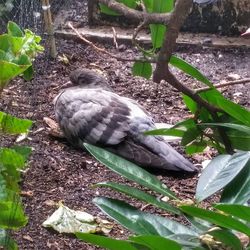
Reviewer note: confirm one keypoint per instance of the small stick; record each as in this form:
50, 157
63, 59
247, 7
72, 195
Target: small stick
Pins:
115, 38
221, 85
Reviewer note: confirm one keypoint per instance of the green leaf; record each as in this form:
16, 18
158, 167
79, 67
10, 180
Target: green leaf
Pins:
143, 69
227, 238
108, 11
190, 135
192, 105
14, 29
129, 170
189, 69
23, 150
242, 128
240, 211
12, 215
166, 131
140, 222
10, 70
219, 172
13, 125
105, 242
157, 34
4, 42
219, 219
235, 110
6, 241
28, 73
156, 242
195, 147
136, 193
238, 191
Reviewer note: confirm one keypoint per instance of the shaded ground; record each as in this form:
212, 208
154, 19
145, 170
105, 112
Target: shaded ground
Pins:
59, 172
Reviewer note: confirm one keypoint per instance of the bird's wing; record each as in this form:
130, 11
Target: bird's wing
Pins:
92, 115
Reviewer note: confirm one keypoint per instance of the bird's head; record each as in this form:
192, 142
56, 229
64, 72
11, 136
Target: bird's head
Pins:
88, 79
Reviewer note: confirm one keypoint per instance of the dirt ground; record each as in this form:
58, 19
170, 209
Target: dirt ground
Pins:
58, 172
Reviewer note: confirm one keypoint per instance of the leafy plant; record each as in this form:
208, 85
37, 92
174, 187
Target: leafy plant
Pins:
17, 51
212, 229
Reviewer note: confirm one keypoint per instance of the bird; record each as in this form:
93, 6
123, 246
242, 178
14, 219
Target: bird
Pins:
90, 112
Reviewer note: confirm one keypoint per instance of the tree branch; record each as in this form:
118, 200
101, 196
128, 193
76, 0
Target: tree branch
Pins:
221, 85
136, 15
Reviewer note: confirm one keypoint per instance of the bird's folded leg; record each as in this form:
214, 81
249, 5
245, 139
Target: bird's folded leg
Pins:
53, 128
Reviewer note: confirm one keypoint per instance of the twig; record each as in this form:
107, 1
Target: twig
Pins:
221, 85
115, 38
103, 51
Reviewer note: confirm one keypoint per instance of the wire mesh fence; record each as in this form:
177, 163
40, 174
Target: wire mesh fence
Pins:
26, 13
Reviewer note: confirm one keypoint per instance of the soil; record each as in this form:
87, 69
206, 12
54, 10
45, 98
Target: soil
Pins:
58, 172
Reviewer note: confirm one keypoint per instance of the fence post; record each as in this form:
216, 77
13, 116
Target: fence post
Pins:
49, 27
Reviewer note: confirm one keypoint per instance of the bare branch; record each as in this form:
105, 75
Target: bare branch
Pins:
221, 85
103, 51
136, 15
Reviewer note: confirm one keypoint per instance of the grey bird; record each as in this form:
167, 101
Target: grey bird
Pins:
90, 112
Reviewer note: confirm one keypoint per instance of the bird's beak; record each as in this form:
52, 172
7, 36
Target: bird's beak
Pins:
67, 85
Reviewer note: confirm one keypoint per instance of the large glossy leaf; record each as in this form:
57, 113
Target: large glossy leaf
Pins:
107, 243
188, 242
129, 170
219, 219
13, 125
12, 215
136, 193
227, 238
219, 172
240, 211
190, 70
143, 69
140, 222
156, 242
238, 191
235, 110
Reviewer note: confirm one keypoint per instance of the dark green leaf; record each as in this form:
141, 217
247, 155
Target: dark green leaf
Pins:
192, 105
12, 215
195, 147
217, 219
106, 242
190, 135
136, 193
156, 242
219, 172
143, 69
129, 170
13, 125
22, 150
140, 222
190, 70
28, 73
240, 211
227, 238
14, 29
238, 191
235, 110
